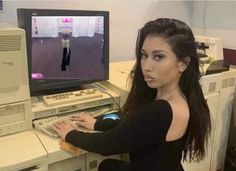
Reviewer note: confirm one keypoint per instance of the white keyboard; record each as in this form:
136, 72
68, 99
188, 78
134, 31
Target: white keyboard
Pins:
70, 97
44, 124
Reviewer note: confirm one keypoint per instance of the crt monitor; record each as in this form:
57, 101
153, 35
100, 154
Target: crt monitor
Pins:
65, 48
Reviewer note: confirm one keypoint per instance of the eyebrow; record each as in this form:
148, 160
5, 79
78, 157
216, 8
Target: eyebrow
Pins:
156, 51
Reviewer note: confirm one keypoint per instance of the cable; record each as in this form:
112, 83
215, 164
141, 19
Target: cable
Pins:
103, 89
115, 103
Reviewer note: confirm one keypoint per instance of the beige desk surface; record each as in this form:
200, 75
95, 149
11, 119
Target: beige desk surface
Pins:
52, 147
20, 149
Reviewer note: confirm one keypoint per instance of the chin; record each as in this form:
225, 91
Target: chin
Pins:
152, 85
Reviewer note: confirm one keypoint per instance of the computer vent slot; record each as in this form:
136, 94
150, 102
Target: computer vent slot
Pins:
10, 43
212, 87
225, 83
230, 82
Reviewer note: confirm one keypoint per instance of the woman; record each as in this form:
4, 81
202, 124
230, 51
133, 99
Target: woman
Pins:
167, 115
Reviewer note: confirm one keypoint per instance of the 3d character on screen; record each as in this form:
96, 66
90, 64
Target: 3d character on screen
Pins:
66, 49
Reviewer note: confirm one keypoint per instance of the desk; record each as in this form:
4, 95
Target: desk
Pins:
52, 147
22, 150
57, 159
34, 149
60, 160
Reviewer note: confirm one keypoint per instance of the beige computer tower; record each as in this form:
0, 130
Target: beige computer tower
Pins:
15, 106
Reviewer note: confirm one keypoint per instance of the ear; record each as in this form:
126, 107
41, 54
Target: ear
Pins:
183, 64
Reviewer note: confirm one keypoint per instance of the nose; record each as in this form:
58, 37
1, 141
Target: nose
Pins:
147, 64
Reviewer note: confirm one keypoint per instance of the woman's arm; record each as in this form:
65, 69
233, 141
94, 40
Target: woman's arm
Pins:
148, 126
99, 123
102, 124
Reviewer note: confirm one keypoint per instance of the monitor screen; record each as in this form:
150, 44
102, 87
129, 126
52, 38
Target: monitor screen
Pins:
66, 48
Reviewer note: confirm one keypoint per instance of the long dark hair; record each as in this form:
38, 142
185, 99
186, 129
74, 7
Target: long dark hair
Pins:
181, 40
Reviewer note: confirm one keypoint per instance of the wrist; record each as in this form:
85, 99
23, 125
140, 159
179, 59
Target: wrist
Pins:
93, 124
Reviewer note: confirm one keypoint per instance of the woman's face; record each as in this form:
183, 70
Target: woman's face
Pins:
159, 64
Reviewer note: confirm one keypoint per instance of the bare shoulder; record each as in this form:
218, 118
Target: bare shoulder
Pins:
180, 108
180, 118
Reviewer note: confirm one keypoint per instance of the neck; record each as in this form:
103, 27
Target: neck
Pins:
167, 93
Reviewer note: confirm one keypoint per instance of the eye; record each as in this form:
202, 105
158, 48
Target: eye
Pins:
158, 57
144, 56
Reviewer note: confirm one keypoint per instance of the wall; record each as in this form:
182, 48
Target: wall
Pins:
126, 17
217, 19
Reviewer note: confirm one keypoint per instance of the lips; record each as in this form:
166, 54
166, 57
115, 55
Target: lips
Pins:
148, 77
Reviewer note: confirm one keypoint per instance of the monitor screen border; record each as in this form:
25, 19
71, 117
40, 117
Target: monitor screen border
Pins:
45, 87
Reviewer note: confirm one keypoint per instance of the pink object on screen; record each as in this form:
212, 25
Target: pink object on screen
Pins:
66, 20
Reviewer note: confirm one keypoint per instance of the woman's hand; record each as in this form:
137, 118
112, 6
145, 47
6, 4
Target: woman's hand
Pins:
84, 120
62, 128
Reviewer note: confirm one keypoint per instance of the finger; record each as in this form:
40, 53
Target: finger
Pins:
75, 116
53, 127
83, 124
74, 124
60, 125
77, 119
57, 125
